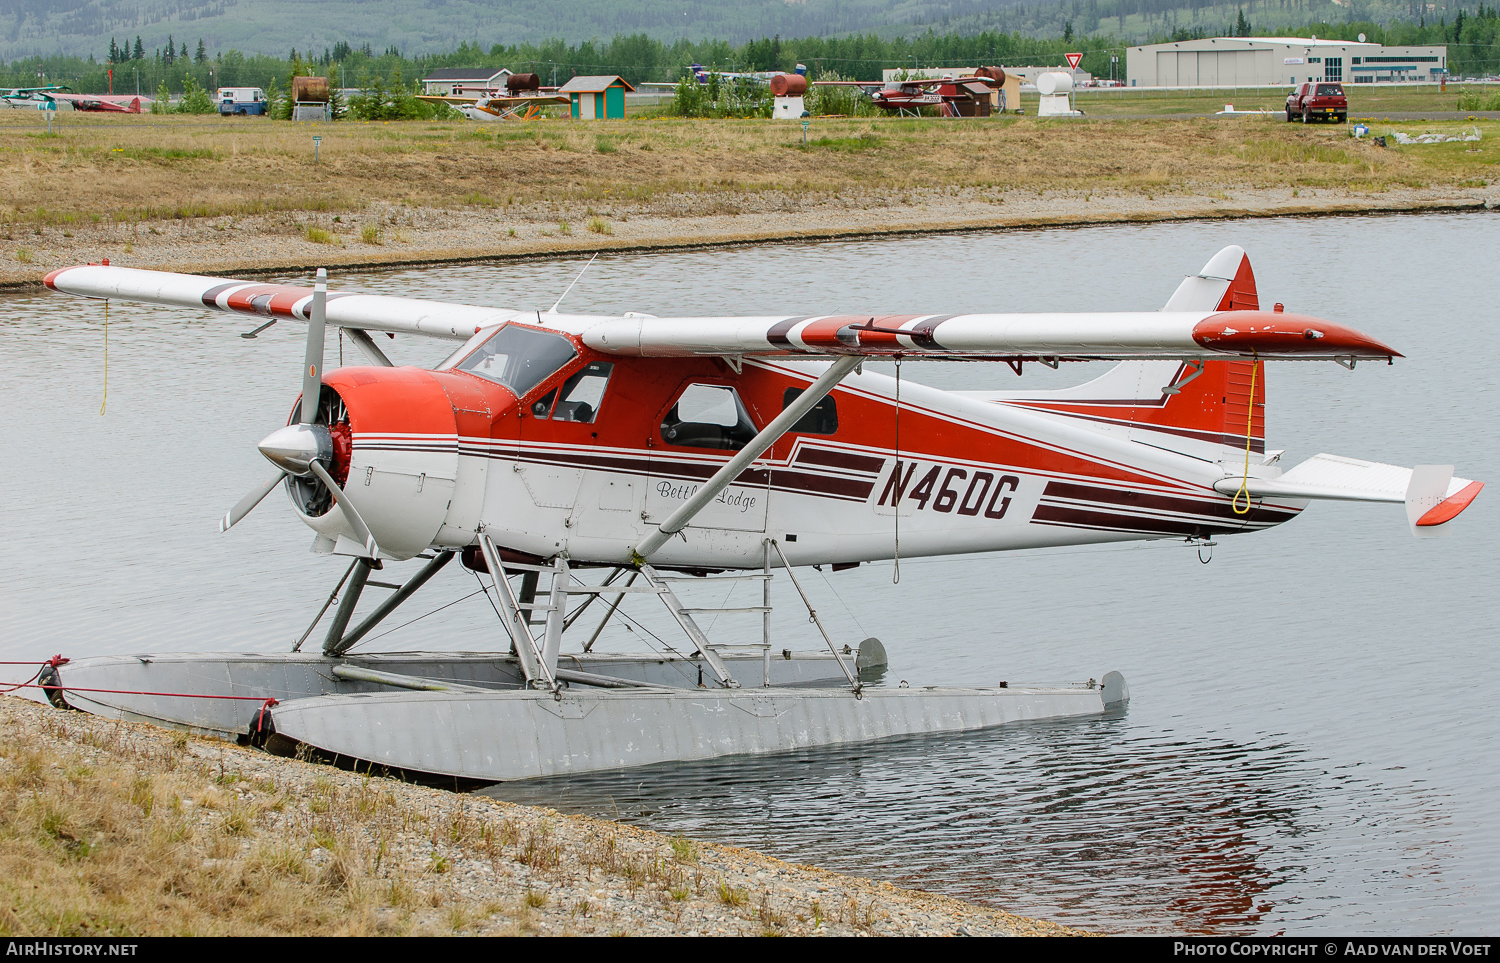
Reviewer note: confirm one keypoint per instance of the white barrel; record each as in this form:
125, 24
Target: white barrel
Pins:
1055, 82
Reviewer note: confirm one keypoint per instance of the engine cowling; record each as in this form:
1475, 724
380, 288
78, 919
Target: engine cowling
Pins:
393, 435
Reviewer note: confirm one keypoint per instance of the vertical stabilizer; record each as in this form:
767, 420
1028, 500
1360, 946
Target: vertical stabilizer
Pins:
1207, 406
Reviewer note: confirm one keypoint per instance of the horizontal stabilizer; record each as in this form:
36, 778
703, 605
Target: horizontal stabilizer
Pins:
1430, 492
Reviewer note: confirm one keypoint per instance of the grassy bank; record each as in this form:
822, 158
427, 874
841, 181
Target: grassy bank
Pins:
117, 829
101, 169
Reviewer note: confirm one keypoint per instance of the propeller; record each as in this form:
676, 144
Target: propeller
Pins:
248, 503
303, 449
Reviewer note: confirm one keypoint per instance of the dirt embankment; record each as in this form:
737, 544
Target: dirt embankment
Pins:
279, 243
206, 195
110, 828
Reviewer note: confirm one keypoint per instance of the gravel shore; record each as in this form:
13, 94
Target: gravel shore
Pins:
127, 829
388, 234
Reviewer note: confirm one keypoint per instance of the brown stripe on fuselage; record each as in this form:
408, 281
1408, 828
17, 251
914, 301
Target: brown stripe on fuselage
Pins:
1149, 501
839, 459
1111, 521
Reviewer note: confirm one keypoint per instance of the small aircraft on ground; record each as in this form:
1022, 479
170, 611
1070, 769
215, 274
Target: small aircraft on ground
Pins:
34, 98
523, 99
967, 96
47, 98
659, 451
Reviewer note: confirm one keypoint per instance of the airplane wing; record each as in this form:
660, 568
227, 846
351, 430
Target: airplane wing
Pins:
1185, 335
370, 312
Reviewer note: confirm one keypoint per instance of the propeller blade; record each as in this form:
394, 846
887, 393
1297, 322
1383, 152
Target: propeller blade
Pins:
361, 530
248, 503
312, 365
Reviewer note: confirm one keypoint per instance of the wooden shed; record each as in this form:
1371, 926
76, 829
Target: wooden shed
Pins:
596, 98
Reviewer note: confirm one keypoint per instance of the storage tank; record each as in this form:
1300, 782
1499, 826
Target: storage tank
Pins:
519, 82
310, 90
1054, 82
788, 85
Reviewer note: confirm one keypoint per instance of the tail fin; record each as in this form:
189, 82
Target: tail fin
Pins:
1203, 409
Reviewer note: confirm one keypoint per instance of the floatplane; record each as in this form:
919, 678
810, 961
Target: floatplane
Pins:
574, 462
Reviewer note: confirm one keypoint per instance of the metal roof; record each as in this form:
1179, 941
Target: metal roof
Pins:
465, 73
593, 85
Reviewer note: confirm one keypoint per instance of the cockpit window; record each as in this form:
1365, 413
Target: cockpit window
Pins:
519, 358
708, 416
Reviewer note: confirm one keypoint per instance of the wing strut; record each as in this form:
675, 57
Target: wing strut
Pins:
767, 437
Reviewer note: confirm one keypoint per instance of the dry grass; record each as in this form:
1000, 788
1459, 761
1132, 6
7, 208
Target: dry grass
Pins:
115, 829
135, 170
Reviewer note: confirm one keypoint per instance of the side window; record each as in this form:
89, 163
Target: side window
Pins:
823, 419
582, 393
708, 416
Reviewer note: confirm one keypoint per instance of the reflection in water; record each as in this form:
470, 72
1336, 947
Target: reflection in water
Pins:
1093, 823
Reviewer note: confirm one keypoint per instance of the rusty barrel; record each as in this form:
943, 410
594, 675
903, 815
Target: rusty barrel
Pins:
310, 90
517, 82
994, 75
788, 85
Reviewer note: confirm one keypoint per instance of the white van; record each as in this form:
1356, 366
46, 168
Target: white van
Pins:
242, 100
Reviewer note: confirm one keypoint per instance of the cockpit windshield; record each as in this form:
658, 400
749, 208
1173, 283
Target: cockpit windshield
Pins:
519, 358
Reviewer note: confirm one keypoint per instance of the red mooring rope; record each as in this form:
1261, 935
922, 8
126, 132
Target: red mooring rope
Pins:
58, 660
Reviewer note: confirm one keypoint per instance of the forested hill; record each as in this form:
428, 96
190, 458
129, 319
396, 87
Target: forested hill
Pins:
31, 28
248, 42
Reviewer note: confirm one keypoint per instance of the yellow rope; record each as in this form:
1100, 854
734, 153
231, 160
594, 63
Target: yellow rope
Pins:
1249, 426
105, 398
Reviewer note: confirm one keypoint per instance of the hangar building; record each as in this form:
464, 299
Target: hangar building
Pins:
1276, 61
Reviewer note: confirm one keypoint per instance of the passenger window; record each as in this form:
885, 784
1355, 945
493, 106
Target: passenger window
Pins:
708, 416
582, 393
519, 358
823, 419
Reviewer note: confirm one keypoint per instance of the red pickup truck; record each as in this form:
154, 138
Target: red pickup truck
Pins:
1318, 102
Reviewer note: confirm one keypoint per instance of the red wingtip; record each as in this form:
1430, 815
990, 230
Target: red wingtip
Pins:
1274, 334
51, 279
1448, 509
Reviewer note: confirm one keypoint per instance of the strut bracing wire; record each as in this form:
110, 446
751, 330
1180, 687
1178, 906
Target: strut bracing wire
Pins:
105, 397
1249, 425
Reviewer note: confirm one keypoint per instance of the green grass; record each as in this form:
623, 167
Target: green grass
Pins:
845, 145
165, 153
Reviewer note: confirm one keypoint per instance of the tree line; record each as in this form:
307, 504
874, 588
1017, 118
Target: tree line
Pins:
1473, 41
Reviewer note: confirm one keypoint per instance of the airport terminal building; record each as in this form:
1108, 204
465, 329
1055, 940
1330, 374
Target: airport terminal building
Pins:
1273, 61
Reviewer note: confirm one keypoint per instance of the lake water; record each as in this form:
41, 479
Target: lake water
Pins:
1311, 741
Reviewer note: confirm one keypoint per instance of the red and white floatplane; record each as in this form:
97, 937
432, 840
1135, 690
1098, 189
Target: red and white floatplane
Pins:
579, 462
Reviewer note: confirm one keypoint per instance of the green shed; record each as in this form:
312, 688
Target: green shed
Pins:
596, 98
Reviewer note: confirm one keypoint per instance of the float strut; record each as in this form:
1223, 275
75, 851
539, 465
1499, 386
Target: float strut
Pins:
389, 605
345, 610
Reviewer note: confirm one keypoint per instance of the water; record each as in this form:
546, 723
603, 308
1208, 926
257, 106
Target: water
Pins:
1310, 743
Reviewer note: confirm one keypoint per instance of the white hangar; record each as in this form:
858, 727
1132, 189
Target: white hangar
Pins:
1273, 61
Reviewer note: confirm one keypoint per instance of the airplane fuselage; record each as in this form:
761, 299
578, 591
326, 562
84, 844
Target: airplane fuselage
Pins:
438, 456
